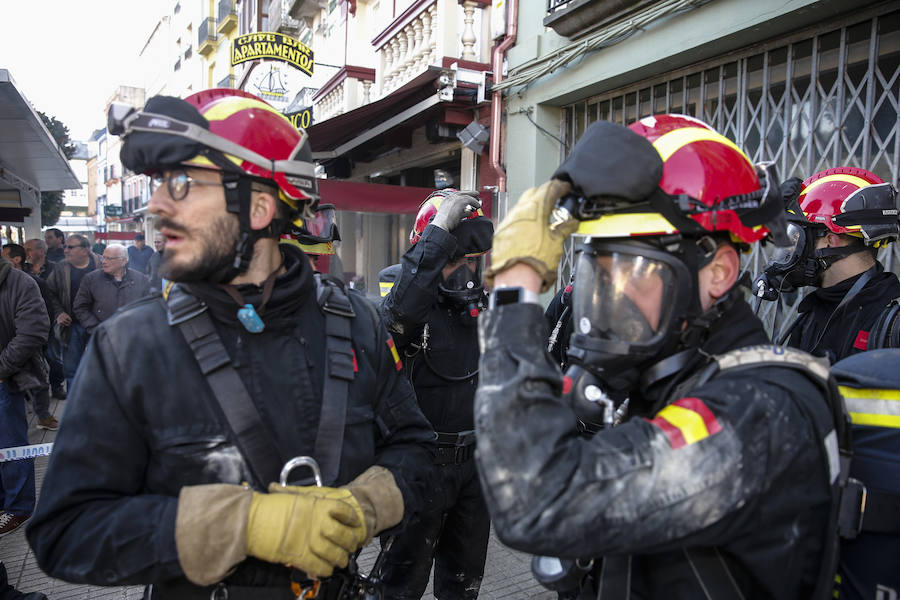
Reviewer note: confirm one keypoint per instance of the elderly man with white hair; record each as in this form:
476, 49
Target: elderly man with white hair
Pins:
105, 290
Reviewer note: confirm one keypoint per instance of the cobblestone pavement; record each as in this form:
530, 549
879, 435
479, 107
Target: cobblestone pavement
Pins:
507, 572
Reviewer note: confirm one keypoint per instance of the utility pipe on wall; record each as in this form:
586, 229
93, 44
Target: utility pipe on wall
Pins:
497, 97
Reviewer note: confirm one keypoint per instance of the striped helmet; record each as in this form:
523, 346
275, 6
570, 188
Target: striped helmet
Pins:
708, 184
851, 201
254, 125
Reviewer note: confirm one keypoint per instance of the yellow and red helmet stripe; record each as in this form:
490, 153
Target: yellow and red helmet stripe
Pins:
686, 421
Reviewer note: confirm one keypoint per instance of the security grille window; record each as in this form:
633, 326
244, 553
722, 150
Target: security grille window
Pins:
809, 101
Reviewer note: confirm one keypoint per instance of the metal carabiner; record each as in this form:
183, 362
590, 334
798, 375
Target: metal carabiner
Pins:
311, 591
300, 461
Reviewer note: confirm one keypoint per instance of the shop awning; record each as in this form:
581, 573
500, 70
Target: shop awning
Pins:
27, 150
380, 198
327, 137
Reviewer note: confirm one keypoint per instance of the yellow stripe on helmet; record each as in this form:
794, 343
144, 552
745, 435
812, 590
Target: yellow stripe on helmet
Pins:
851, 179
220, 111
626, 224
670, 143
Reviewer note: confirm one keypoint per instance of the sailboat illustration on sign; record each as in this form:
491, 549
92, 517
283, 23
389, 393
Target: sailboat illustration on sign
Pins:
270, 85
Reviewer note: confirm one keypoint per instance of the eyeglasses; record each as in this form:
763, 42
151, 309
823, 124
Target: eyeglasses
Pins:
73, 247
108, 258
178, 183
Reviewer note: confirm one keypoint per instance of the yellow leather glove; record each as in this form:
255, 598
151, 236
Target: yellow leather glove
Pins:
311, 528
525, 234
381, 500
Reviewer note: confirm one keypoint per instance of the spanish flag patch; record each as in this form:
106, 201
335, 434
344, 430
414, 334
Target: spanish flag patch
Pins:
686, 421
397, 361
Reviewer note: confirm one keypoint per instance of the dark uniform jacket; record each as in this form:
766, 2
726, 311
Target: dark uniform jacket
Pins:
24, 325
451, 348
135, 436
735, 465
100, 295
848, 330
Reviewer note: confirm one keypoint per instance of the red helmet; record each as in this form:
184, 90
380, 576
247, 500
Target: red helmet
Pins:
429, 208
705, 177
851, 201
255, 125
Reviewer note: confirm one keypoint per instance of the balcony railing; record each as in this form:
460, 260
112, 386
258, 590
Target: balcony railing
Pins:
428, 34
226, 82
206, 36
572, 18
280, 19
350, 88
227, 17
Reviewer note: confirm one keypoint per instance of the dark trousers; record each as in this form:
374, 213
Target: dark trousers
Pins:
17, 489
73, 349
53, 354
451, 532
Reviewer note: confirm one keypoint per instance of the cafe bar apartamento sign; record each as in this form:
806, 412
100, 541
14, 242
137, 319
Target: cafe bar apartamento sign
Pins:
274, 46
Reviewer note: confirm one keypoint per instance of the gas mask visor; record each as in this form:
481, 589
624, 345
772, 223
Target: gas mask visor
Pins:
785, 258
321, 228
465, 276
628, 297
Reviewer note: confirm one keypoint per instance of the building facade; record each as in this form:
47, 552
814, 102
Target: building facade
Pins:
808, 84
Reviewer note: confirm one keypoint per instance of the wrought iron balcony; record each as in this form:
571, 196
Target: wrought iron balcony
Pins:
570, 18
227, 17
226, 82
206, 36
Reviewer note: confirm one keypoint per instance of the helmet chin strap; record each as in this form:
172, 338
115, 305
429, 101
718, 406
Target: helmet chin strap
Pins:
238, 192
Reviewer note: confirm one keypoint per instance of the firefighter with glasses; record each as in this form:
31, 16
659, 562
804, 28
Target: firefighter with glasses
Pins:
713, 481
839, 218
168, 474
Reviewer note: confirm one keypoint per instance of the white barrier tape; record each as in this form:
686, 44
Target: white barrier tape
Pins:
22, 452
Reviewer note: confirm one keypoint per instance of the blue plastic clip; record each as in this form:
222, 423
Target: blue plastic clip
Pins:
249, 319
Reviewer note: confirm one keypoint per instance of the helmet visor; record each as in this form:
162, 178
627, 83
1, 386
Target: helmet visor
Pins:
784, 257
321, 228
623, 297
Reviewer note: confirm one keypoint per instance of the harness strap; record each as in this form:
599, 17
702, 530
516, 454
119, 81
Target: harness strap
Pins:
335, 305
252, 436
615, 578
712, 573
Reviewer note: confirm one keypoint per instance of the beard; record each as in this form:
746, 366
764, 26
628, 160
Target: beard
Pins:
218, 239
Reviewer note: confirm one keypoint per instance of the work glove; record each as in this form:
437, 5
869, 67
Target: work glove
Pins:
525, 234
311, 528
218, 525
380, 499
454, 208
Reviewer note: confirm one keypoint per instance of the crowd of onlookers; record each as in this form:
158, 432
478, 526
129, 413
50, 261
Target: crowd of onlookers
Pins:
53, 293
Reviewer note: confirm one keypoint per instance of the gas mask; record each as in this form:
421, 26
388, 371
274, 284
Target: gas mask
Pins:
628, 308
799, 264
463, 289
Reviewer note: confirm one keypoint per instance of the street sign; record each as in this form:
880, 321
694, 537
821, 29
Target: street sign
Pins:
113, 210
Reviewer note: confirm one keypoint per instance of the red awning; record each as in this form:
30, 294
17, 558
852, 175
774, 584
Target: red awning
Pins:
381, 198
115, 235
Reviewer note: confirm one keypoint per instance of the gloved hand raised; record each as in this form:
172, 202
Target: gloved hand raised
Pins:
525, 235
311, 528
454, 208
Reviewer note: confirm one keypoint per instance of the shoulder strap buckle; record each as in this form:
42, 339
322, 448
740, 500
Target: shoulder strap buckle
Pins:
182, 306
332, 298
